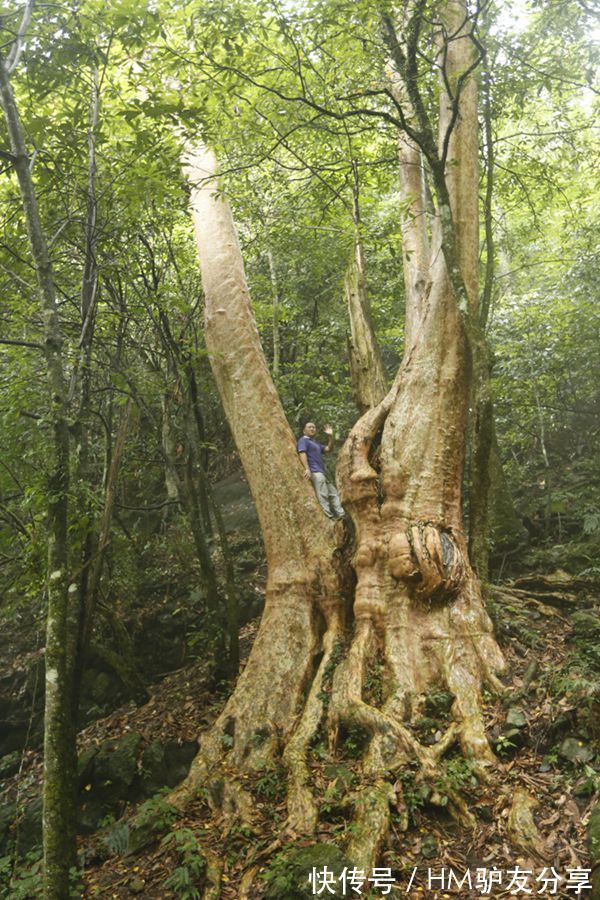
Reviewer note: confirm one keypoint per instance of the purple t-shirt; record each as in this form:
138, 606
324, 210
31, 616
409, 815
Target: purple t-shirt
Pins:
314, 453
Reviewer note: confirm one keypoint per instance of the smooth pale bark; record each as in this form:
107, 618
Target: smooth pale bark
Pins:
415, 238
366, 366
413, 216
59, 736
493, 519
302, 604
462, 166
276, 335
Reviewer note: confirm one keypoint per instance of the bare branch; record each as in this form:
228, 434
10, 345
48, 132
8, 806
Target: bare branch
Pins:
12, 60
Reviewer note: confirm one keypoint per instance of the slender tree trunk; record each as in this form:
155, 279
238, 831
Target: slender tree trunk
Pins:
184, 484
366, 365
59, 734
82, 373
482, 431
415, 236
169, 450
231, 601
96, 563
200, 448
486, 480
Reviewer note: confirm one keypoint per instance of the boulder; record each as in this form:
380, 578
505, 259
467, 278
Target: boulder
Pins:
575, 751
516, 718
9, 764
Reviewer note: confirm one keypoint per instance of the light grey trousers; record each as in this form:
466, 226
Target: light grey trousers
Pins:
327, 496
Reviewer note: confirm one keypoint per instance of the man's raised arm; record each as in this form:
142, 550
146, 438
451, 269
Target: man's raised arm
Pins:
329, 431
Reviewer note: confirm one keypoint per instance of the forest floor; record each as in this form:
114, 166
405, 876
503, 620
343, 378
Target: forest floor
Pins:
545, 733
544, 736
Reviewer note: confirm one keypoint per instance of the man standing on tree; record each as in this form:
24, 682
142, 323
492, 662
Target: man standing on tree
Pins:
311, 456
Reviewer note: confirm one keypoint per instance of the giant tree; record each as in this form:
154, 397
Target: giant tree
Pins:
395, 593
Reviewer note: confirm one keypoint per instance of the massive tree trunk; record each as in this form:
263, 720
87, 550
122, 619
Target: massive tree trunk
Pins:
405, 606
303, 608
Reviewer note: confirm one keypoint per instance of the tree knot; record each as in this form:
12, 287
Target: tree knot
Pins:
427, 558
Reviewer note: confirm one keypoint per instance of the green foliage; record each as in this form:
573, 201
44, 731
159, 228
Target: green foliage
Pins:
504, 746
187, 878
115, 838
415, 794
337, 654
287, 875
353, 742
456, 774
156, 813
373, 686
337, 799
271, 783
22, 880
153, 818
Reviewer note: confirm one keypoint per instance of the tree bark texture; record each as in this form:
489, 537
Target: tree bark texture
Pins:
303, 603
418, 609
403, 601
276, 335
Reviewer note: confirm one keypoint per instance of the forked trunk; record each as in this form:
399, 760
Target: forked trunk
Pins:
416, 616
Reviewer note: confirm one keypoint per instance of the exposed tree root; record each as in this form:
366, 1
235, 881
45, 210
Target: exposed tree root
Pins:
371, 824
418, 621
214, 869
247, 882
302, 808
522, 829
418, 607
262, 711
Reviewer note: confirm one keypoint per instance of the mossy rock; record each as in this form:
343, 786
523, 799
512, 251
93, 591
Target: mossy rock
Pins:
516, 718
165, 765
154, 768
287, 877
575, 751
178, 758
85, 766
115, 766
107, 778
9, 764
151, 821
586, 626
